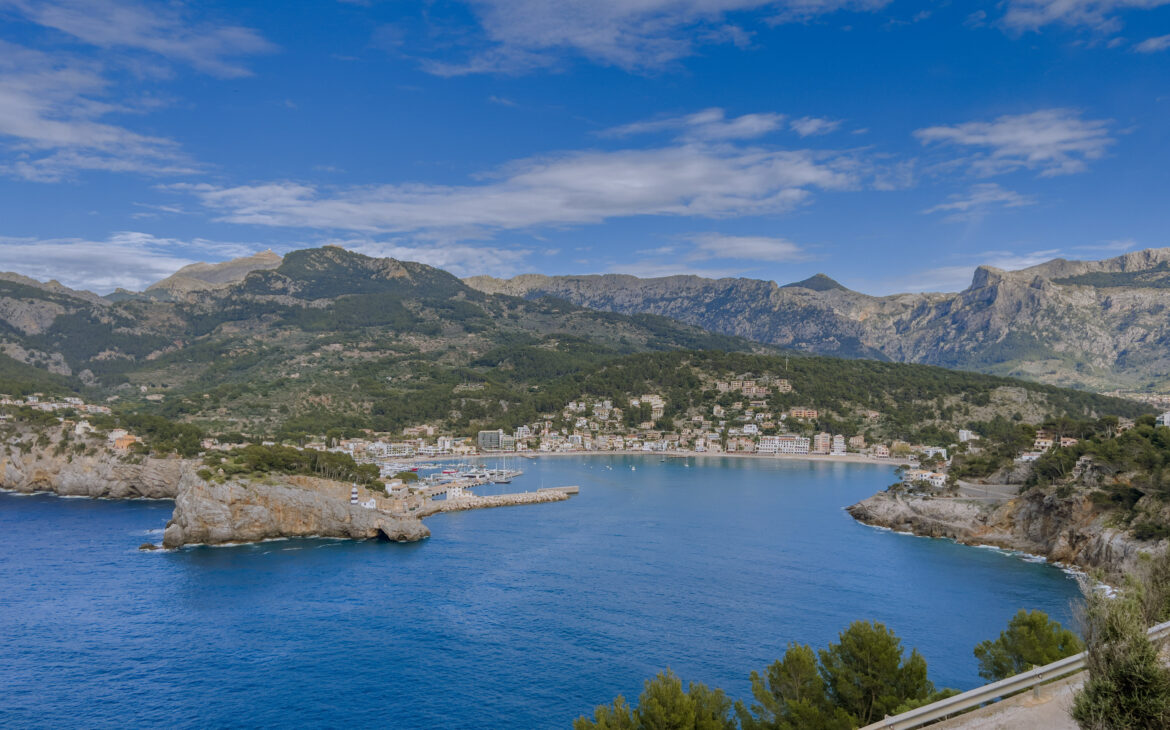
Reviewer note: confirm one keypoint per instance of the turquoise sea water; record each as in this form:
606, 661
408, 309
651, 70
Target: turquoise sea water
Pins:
516, 617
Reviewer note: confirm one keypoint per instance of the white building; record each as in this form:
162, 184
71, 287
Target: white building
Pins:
784, 443
838, 448
933, 478
935, 451
1163, 419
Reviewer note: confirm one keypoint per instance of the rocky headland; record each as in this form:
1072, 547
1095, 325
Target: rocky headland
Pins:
235, 511
98, 475
1068, 529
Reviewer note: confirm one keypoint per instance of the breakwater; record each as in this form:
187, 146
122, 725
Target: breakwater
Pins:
460, 504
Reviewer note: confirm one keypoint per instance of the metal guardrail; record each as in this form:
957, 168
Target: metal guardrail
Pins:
979, 696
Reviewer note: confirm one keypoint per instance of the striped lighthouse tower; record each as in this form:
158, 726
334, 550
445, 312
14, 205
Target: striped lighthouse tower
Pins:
353, 497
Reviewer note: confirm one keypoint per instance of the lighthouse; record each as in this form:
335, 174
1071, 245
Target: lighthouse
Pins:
353, 496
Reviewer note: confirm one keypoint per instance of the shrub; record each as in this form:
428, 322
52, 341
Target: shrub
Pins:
1031, 640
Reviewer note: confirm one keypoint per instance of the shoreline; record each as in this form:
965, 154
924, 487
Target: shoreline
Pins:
843, 458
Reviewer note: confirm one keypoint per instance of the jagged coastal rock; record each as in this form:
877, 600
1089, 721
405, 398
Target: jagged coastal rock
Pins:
98, 475
232, 512
1068, 530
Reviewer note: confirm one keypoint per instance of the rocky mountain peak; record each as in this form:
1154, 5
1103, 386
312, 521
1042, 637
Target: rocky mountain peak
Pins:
817, 282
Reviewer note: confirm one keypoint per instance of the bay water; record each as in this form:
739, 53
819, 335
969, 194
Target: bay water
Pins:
513, 617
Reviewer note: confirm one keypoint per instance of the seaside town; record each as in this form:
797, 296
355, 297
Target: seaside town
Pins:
745, 426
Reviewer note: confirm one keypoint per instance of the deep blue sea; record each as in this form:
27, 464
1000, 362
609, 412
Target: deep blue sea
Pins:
516, 617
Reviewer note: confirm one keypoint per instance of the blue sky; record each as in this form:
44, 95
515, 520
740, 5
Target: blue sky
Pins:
892, 145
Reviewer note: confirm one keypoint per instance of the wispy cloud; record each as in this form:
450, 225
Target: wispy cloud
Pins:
747, 248
1099, 15
51, 108
1153, 45
978, 201
708, 124
129, 260
55, 105
712, 255
160, 29
1051, 141
458, 258
653, 268
959, 276
523, 35
810, 126
687, 180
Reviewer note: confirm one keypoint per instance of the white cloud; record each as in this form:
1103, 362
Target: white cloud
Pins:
1153, 45
707, 248
690, 180
1053, 141
958, 277
522, 35
750, 248
128, 259
977, 201
155, 28
50, 112
460, 259
1115, 246
810, 126
708, 124
1024, 15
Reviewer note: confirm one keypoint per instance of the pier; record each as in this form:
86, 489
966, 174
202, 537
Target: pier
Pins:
471, 501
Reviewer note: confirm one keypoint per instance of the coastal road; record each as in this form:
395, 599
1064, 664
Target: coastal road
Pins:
988, 492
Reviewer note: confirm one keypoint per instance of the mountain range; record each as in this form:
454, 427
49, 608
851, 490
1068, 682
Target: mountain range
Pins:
1099, 325
325, 338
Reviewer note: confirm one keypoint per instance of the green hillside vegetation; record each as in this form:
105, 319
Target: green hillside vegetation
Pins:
1125, 473
256, 460
19, 379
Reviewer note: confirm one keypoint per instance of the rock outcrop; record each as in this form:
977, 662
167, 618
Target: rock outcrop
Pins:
99, 475
233, 512
1067, 530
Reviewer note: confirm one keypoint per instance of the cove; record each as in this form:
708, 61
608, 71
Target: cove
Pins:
519, 617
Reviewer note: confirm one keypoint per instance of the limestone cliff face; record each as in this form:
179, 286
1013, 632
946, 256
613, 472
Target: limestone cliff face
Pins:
232, 512
1068, 530
1095, 324
100, 475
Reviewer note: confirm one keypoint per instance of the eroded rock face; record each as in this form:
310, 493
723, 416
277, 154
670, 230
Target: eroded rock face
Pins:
1068, 530
215, 514
99, 475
